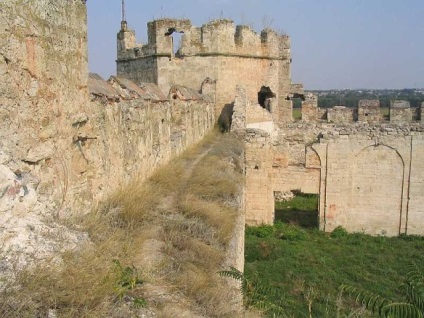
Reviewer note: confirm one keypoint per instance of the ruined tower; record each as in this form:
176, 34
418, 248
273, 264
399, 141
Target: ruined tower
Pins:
231, 55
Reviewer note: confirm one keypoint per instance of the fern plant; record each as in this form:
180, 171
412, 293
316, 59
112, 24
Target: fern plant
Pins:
412, 288
254, 293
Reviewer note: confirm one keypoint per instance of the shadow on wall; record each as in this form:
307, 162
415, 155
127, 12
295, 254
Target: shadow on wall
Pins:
225, 118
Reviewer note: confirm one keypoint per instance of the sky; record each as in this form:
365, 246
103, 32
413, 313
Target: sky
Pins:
336, 44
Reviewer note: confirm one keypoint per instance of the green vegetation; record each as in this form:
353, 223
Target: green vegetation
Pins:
412, 289
301, 210
297, 114
301, 270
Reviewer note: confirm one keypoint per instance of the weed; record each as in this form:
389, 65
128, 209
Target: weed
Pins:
128, 279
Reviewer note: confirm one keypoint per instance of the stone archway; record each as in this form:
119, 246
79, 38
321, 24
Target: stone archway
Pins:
376, 191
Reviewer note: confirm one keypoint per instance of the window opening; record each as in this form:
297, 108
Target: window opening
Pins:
264, 97
295, 207
176, 37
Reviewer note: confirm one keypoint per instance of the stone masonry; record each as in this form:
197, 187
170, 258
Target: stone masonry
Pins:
367, 173
68, 139
231, 55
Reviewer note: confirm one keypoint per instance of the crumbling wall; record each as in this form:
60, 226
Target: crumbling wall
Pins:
218, 50
61, 149
367, 175
340, 114
43, 91
134, 135
400, 111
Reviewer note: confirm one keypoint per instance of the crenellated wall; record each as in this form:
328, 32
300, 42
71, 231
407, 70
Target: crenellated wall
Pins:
367, 111
368, 175
231, 55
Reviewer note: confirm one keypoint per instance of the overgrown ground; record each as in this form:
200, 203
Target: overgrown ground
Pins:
297, 271
155, 247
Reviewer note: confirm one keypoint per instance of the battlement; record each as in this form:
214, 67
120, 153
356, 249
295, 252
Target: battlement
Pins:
368, 111
217, 37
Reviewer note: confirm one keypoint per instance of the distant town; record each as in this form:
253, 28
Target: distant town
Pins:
350, 97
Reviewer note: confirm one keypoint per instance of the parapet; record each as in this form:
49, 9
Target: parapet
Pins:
179, 92
118, 88
400, 111
99, 88
368, 112
217, 37
340, 114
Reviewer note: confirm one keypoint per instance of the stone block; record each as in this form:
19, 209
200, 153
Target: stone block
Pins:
400, 111
340, 114
369, 111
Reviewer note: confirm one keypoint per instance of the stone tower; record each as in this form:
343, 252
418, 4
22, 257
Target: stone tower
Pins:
228, 54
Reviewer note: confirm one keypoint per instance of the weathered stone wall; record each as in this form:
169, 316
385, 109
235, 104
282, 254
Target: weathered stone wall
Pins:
340, 114
400, 111
61, 149
218, 50
43, 91
368, 176
368, 111
136, 136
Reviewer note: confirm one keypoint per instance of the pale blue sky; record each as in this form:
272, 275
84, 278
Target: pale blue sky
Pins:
335, 43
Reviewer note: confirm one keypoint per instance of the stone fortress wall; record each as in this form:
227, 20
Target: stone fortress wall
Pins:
228, 54
367, 170
68, 139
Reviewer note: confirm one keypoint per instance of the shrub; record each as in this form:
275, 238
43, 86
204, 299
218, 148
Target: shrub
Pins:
293, 233
339, 232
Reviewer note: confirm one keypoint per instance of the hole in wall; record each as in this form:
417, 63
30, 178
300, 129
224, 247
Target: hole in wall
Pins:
176, 43
295, 207
264, 96
297, 108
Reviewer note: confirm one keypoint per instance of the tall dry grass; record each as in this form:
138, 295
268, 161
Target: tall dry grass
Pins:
192, 205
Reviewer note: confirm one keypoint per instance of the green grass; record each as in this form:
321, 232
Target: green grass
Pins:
385, 113
305, 264
301, 210
297, 113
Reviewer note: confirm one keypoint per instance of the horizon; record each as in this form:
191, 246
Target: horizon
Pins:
385, 52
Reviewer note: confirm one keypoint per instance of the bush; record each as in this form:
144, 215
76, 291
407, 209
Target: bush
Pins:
292, 233
339, 232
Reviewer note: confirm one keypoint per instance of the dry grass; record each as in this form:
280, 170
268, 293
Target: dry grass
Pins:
85, 285
219, 217
191, 204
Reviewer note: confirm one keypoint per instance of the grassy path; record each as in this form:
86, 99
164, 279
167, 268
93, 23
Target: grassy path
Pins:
154, 249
